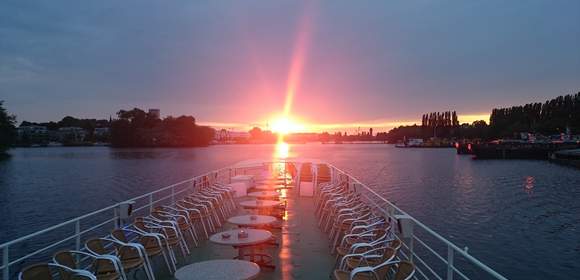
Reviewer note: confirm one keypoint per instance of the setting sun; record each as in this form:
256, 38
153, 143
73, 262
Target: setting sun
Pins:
285, 125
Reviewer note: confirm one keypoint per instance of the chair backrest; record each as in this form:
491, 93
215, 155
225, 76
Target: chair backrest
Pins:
396, 244
405, 271
39, 271
170, 233
139, 224
65, 258
95, 245
388, 254
149, 242
119, 234
379, 234
306, 172
127, 252
42, 271
380, 271
323, 173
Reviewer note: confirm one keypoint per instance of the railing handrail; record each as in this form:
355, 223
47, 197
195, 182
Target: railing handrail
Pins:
73, 220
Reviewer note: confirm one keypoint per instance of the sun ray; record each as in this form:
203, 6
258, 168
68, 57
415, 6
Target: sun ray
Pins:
284, 125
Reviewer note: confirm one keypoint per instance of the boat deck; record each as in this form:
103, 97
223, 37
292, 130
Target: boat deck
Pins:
303, 251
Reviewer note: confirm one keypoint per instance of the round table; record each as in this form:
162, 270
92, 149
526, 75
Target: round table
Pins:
218, 269
255, 237
259, 203
246, 220
264, 194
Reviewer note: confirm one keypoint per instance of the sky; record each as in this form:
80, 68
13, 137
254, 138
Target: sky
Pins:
329, 64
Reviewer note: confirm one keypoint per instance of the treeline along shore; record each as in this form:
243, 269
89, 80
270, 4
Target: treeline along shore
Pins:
130, 128
137, 128
557, 119
551, 118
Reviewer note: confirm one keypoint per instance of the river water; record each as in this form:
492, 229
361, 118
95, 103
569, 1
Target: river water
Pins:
520, 217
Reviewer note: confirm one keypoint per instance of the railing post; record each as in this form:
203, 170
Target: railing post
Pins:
411, 248
172, 195
78, 235
449, 262
150, 203
77, 238
5, 262
116, 217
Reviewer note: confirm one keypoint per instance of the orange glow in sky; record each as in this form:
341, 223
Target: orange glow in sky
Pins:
298, 60
291, 124
286, 125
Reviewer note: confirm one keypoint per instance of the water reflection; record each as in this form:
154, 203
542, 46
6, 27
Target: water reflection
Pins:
529, 185
477, 203
282, 150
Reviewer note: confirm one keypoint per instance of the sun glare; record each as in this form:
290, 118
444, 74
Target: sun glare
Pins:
285, 126
282, 150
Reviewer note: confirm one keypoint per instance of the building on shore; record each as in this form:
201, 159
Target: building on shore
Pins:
155, 113
33, 134
71, 134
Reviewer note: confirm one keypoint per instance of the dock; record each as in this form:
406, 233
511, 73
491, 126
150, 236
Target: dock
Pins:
567, 157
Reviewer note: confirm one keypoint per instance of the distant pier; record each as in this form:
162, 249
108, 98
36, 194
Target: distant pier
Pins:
567, 157
521, 150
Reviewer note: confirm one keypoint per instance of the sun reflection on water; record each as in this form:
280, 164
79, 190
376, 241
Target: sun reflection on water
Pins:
282, 150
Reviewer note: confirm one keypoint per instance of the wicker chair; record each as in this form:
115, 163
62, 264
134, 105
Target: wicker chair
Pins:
43, 271
404, 270
370, 258
151, 242
172, 237
131, 255
103, 267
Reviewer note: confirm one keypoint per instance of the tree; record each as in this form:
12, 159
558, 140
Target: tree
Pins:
550, 117
255, 132
137, 128
6, 129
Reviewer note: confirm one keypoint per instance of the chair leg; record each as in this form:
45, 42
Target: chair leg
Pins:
184, 250
184, 245
147, 270
217, 218
171, 267
193, 235
204, 229
172, 255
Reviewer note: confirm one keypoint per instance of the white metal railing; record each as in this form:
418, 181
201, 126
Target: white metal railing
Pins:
100, 220
107, 218
452, 250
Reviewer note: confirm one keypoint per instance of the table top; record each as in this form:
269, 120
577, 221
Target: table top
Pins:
243, 177
259, 203
272, 180
255, 236
264, 194
218, 269
246, 220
